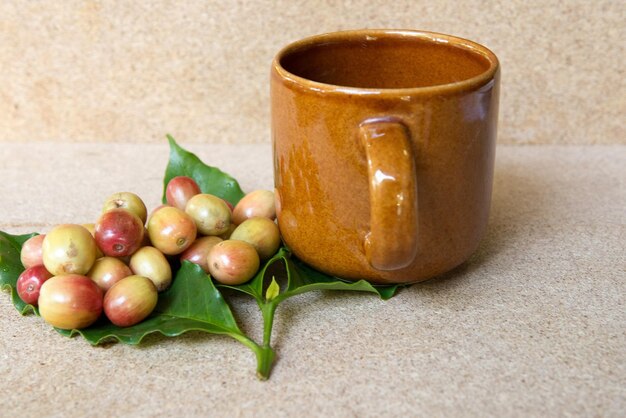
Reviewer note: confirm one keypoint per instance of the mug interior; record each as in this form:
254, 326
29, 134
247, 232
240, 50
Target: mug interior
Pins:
386, 60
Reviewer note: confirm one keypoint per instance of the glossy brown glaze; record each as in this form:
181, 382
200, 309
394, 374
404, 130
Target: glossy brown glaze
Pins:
392, 241
383, 151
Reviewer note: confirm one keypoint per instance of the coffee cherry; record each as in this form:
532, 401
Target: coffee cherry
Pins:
92, 230
130, 301
233, 262
31, 254
119, 233
29, 283
210, 213
107, 271
179, 190
198, 252
128, 201
256, 203
171, 230
261, 233
151, 263
229, 232
70, 301
68, 249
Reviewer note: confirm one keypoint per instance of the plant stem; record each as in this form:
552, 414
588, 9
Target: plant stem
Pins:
265, 355
264, 360
268, 309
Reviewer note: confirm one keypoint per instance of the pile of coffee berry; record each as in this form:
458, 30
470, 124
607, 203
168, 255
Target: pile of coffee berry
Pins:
119, 264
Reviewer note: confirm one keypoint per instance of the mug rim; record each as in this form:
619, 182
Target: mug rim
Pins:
471, 83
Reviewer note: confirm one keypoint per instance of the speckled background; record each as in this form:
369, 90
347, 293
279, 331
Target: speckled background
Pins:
133, 70
533, 325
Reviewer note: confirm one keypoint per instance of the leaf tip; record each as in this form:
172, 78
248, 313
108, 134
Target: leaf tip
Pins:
173, 144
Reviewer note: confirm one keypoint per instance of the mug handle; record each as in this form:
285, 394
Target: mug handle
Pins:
391, 243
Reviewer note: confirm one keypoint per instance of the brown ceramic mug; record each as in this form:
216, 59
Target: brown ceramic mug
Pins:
384, 145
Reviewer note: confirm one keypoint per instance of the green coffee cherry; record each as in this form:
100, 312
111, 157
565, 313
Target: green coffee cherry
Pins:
210, 213
68, 249
261, 233
128, 201
151, 263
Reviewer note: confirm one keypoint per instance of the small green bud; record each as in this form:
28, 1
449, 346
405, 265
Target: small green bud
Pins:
272, 290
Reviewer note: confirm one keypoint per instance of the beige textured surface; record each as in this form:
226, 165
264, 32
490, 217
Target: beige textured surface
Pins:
533, 325
134, 70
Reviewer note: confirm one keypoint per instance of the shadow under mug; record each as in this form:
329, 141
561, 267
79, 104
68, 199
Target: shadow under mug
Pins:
384, 145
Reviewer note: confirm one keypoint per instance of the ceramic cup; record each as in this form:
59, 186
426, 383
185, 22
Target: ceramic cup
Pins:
384, 146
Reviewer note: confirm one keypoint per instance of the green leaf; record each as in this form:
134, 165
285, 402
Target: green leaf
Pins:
210, 179
11, 267
302, 278
192, 303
